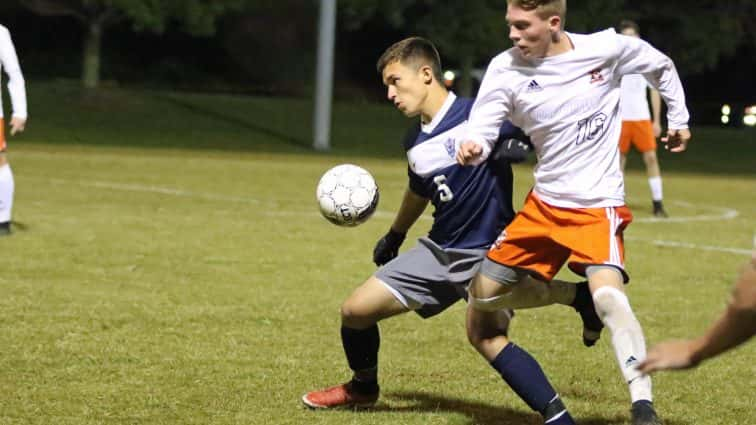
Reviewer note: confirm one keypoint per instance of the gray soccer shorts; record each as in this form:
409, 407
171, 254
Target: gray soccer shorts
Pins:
428, 278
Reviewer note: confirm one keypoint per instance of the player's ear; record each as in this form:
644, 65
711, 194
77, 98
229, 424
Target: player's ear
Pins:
555, 25
427, 75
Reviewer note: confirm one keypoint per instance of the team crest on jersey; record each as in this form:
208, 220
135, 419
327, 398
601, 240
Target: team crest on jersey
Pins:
596, 75
451, 149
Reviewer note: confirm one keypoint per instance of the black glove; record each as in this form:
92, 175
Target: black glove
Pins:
387, 247
512, 151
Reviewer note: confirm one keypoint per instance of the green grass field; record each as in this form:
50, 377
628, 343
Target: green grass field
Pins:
170, 267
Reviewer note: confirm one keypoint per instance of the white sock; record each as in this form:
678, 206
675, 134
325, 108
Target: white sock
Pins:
655, 183
629, 344
6, 193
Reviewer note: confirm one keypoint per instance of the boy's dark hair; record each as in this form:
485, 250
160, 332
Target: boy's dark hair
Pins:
413, 51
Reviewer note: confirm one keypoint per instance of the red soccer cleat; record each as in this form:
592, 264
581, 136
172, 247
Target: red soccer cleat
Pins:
339, 396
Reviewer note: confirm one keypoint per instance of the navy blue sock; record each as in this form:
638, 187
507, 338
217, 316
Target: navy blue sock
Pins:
525, 376
361, 349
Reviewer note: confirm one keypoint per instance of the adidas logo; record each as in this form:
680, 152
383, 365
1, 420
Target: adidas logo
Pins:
630, 361
533, 86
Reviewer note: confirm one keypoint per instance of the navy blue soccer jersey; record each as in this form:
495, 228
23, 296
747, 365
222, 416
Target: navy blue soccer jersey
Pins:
472, 204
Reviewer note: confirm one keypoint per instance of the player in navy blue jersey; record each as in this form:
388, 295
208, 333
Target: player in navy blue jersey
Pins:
472, 206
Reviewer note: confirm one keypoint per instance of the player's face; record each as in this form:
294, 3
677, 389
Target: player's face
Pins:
406, 87
529, 32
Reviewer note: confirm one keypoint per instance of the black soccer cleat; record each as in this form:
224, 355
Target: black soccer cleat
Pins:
643, 413
592, 324
659, 210
5, 228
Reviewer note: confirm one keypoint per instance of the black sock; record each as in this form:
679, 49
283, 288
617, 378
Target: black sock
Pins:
361, 349
525, 376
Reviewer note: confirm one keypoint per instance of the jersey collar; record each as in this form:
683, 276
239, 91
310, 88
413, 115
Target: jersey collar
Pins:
428, 128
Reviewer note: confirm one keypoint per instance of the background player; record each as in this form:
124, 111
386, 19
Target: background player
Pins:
471, 205
637, 128
17, 90
563, 90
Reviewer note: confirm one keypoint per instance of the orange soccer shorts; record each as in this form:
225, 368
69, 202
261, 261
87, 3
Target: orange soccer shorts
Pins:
640, 134
2, 135
541, 238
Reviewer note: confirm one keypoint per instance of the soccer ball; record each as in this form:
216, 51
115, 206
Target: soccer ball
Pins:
347, 195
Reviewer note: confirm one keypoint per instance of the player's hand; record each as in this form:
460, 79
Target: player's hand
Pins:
669, 355
657, 129
676, 140
511, 151
17, 125
468, 152
387, 247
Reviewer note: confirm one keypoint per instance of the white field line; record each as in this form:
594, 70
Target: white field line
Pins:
674, 244
723, 213
130, 187
718, 213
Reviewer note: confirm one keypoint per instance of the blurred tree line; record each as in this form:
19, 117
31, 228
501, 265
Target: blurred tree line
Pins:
268, 46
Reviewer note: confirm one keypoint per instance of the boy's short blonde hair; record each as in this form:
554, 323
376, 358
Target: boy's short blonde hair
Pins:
544, 8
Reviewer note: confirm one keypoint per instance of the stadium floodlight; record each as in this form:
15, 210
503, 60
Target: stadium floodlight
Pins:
449, 77
749, 116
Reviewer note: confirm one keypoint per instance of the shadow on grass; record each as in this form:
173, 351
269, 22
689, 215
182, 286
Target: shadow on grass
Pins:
482, 413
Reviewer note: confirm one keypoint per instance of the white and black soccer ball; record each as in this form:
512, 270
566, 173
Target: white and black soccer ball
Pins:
347, 195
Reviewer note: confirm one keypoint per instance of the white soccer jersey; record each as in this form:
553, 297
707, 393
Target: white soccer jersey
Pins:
569, 106
633, 103
16, 85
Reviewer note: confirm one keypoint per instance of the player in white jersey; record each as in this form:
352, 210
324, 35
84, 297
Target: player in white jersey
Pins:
563, 90
17, 90
637, 128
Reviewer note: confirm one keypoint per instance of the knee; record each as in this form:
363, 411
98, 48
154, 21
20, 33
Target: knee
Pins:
484, 327
613, 307
606, 300
650, 158
477, 335
354, 316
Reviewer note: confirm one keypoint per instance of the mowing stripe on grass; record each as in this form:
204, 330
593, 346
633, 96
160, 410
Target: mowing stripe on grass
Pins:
720, 212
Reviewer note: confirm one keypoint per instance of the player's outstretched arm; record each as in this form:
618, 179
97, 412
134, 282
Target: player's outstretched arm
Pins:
636, 56
736, 325
387, 248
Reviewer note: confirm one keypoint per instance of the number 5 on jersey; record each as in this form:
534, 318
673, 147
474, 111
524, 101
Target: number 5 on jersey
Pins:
444, 191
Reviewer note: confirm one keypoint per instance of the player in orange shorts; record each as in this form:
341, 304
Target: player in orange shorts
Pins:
563, 90
637, 128
17, 90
